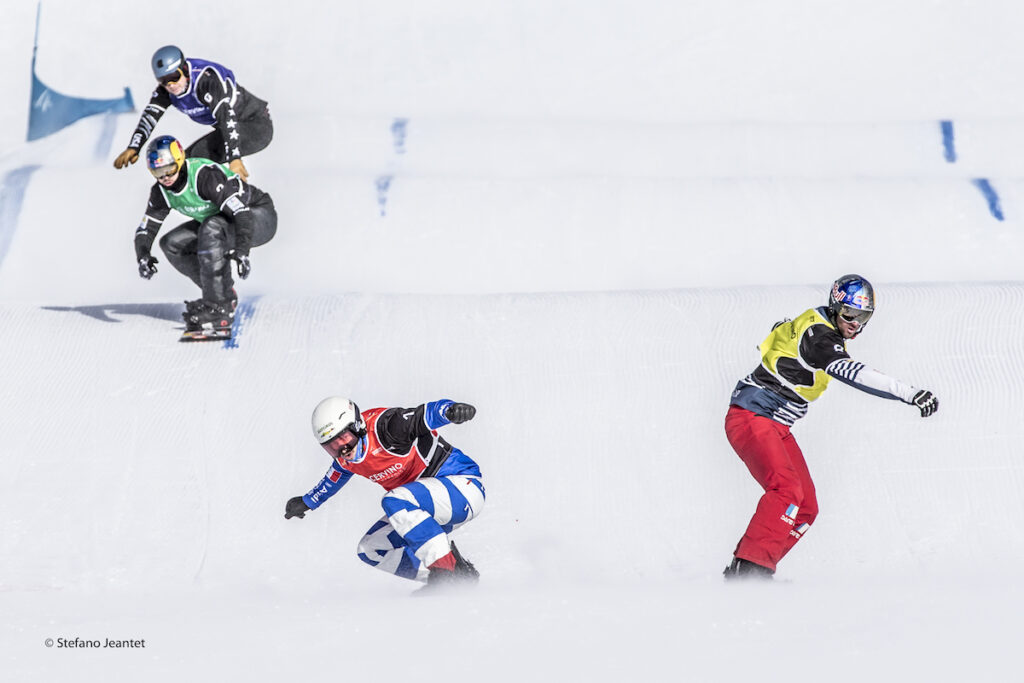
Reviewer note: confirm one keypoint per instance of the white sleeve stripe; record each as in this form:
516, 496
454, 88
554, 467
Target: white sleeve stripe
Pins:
846, 368
228, 200
217, 106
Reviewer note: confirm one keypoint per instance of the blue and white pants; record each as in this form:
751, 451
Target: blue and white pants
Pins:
413, 534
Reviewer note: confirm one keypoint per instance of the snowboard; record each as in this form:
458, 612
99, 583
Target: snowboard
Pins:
205, 335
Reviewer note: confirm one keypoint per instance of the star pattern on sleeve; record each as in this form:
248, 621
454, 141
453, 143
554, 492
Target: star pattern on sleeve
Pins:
233, 135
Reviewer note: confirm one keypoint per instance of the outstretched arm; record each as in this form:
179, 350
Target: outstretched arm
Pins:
158, 103
822, 348
332, 482
877, 383
398, 428
440, 413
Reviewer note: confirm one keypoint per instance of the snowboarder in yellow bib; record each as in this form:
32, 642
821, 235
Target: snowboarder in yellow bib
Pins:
798, 360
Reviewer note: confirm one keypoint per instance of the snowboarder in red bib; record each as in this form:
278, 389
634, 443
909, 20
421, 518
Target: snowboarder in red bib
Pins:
431, 487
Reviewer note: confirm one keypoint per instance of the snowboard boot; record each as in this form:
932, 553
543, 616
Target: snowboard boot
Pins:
441, 579
741, 569
210, 316
191, 308
194, 305
463, 567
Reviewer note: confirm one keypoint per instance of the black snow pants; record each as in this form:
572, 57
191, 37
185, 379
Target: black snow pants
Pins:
199, 250
255, 131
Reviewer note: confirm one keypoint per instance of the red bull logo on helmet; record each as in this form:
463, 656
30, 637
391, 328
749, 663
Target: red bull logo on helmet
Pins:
855, 298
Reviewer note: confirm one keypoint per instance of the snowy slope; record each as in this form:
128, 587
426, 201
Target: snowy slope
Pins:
137, 467
581, 218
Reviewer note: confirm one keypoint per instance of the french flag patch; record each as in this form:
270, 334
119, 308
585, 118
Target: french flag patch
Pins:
790, 516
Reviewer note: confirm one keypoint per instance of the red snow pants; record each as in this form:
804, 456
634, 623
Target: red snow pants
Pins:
789, 504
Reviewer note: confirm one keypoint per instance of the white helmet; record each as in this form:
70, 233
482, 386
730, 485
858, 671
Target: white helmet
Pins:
334, 415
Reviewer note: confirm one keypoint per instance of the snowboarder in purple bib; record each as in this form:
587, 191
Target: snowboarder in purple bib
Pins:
208, 94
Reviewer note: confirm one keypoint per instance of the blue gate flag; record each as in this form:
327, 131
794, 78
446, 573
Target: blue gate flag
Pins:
50, 111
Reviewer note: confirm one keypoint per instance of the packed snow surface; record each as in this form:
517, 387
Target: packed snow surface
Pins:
581, 218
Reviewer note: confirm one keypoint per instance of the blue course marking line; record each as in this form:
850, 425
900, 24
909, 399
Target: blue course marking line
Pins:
990, 196
399, 131
383, 184
947, 141
243, 314
989, 192
12, 192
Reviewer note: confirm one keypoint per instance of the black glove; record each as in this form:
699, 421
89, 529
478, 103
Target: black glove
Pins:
459, 413
926, 401
295, 507
147, 267
242, 261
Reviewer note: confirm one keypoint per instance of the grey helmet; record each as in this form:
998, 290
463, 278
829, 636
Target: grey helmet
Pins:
166, 61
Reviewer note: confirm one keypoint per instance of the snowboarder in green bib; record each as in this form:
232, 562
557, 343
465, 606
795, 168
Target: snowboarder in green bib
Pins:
227, 218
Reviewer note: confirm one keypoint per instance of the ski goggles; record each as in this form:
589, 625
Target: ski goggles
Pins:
854, 315
343, 445
161, 172
171, 79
